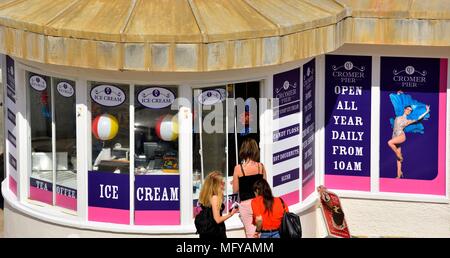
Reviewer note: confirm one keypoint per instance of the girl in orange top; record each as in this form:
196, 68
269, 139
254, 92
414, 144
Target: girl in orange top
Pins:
267, 211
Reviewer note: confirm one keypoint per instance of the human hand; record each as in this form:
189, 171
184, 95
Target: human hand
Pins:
400, 92
233, 211
257, 235
428, 108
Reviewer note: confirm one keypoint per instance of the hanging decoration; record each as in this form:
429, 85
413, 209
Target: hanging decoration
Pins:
105, 127
167, 127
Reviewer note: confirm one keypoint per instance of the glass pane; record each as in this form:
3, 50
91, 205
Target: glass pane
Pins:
109, 174
156, 137
209, 134
248, 118
157, 179
66, 145
40, 119
110, 129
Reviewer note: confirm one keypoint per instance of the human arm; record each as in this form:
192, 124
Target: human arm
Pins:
216, 210
420, 117
258, 224
236, 179
425, 113
264, 171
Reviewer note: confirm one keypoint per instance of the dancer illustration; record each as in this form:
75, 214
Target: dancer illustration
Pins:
408, 114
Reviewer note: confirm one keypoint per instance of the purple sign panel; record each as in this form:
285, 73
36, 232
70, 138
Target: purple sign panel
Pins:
109, 197
286, 110
157, 192
11, 117
347, 122
10, 124
286, 89
12, 161
286, 94
157, 200
10, 78
286, 132
286, 155
412, 125
286, 177
12, 138
11, 94
309, 86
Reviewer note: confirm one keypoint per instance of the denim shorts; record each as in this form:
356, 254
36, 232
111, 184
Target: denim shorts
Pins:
273, 234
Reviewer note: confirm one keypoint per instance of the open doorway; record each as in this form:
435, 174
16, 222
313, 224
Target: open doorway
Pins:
223, 117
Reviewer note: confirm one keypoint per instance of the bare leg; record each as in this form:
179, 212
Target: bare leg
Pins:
395, 150
399, 165
396, 141
393, 147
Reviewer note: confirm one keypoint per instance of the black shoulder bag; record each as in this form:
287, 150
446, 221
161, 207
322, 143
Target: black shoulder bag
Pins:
290, 224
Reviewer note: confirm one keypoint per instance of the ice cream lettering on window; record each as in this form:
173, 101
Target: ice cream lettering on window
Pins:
65, 89
156, 98
107, 95
38, 83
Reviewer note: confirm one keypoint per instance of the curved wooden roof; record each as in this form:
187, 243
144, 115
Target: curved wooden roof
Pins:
209, 35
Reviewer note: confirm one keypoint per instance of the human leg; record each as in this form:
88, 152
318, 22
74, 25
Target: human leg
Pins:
399, 165
246, 216
395, 143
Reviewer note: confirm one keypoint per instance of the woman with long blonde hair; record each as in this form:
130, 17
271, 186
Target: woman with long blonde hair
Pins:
211, 197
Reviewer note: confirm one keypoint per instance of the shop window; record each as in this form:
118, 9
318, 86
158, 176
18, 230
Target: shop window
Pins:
51, 107
157, 179
110, 128
223, 117
108, 179
65, 143
210, 138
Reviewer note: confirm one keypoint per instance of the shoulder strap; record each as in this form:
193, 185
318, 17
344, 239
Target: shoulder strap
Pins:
282, 202
242, 169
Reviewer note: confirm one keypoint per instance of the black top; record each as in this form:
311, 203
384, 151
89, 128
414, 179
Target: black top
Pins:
246, 185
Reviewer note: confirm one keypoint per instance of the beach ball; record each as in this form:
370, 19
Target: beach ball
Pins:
105, 127
167, 127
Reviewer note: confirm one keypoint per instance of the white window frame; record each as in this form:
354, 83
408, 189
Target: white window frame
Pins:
24, 146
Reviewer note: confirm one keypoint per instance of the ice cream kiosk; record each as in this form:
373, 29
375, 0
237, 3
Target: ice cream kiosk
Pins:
116, 111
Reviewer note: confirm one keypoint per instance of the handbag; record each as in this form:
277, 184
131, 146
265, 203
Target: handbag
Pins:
204, 221
291, 226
